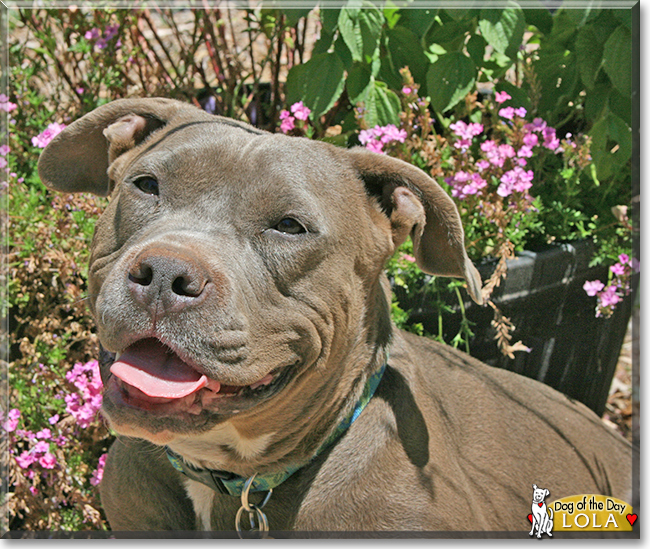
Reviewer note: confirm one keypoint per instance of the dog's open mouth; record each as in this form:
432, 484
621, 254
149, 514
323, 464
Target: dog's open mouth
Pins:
150, 376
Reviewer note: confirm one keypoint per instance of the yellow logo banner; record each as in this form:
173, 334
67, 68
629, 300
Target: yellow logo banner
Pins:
591, 513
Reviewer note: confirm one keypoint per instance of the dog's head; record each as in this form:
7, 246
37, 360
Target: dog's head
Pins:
236, 274
539, 494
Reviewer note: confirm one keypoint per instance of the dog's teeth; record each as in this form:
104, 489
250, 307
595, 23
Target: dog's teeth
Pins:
266, 380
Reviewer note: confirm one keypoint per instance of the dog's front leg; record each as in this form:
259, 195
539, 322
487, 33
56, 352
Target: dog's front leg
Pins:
141, 490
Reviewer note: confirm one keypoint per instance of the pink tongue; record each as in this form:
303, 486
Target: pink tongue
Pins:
156, 371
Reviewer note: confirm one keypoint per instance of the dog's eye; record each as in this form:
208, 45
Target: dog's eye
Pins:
288, 225
147, 185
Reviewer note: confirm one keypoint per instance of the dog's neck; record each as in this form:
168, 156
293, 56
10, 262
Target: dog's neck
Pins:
226, 482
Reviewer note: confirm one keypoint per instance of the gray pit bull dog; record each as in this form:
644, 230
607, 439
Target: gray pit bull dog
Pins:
237, 283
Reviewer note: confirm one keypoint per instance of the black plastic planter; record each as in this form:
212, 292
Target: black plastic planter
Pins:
571, 349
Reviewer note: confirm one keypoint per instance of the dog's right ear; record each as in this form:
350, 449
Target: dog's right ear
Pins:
78, 158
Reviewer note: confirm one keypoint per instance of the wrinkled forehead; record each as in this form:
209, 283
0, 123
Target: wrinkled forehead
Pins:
231, 159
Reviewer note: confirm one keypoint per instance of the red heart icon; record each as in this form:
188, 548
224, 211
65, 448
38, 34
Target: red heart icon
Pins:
530, 518
631, 518
540, 504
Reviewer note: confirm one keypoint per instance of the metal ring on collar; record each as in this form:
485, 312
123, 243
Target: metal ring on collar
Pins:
244, 496
263, 523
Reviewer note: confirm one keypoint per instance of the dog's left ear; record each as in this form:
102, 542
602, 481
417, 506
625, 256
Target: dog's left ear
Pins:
77, 159
417, 206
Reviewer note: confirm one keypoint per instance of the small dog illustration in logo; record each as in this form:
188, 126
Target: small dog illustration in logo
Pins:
540, 516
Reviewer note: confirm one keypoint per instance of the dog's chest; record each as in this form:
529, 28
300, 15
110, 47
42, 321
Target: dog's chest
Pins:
202, 500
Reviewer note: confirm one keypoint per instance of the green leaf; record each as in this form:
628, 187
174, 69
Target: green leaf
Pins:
418, 21
323, 44
360, 30
605, 134
458, 14
476, 49
589, 54
294, 15
357, 82
449, 79
624, 16
617, 59
503, 29
344, 53
381, 104
392, 14
558, 74
596, 101
329, 19
447, 32
620, 106
540, 18
404, 50
318, 83
621, 134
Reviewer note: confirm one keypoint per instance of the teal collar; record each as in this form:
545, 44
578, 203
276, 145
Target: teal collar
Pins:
225, 482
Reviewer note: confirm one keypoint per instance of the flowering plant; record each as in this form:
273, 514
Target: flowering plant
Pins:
515, 183
48, 469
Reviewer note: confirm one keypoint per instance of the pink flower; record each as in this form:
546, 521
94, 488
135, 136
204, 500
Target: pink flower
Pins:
5, 104
365, 136
41, 447
550, 140
111, 31
501, 97
624, 258
60, 441
391, 133
45, 434
466, 131
593, 287
409, 258
300, 111
530, 140
515, 180
3, 162
25, 459
288, 122
520, 112
406, 90
617, 269
537, 125
26, 434
375, 138
12, 420
33, 490
98, 473
482, 165
92, 34
41, 140
53, 419
48, 461
507, 112
375, 146
465, 184
609, 297
525, 152
4, 150
85, 404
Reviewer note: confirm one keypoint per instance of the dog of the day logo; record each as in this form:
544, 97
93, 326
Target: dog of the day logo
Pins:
579, 513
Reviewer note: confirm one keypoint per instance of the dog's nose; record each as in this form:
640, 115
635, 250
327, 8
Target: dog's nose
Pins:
168, 277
